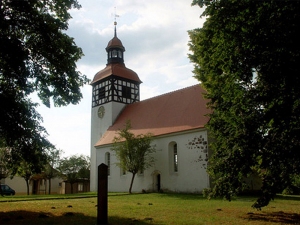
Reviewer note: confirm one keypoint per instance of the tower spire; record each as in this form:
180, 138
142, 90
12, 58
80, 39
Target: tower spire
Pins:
115, 23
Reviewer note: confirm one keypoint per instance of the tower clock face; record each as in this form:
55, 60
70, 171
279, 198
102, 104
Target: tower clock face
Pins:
101, 111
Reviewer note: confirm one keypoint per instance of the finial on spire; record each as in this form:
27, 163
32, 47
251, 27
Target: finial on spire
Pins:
115, 22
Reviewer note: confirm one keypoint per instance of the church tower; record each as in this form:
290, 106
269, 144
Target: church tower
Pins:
113, 88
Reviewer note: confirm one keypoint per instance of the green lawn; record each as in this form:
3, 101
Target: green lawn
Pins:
154, 208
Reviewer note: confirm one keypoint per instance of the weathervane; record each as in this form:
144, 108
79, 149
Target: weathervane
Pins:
115, 23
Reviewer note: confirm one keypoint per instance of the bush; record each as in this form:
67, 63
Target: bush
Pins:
206, 192
292, 190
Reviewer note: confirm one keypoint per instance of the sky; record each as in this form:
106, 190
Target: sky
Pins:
154, 34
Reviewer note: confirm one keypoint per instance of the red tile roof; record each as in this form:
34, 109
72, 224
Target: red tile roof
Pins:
115, 43
177, 111
118, 69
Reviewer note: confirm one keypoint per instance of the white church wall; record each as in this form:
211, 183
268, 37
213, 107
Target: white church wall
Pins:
191, 175
98, 128
190, 178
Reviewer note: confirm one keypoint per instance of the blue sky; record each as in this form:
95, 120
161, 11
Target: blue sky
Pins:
154, 34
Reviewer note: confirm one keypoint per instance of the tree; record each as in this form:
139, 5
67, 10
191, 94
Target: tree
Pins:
50, 170
133, 152
72, 169
4, 169
36, 56
27, 170
246, 56
11, 164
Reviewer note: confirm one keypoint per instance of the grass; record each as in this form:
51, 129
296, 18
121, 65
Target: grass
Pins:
143, 209
46, 197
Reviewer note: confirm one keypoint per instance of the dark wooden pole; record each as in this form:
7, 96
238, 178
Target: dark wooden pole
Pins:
102, 209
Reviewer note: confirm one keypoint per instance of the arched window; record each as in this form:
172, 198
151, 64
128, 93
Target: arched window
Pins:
107, 162
114, 53
120, 54
173, 157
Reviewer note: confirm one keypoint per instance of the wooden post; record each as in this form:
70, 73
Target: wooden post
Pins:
102, 209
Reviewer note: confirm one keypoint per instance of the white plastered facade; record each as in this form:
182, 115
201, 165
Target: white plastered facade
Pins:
191, 177
98, 128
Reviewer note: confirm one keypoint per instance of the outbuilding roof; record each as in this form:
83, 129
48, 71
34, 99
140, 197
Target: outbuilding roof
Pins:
177, 111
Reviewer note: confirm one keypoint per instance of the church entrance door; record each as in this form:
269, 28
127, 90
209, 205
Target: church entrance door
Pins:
156, 176
158, 182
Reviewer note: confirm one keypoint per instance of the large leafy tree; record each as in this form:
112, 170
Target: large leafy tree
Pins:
74, 168
133, 151
36, 56
246, 56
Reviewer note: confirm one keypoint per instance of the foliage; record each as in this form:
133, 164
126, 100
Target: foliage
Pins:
36, 56
21, 132
4, 167
74, 168
53, 160
246, 56
294, 187
14, 164
27, 170
296, 182
133, 152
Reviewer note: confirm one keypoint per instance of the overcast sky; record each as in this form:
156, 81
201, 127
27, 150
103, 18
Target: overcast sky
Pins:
154, 34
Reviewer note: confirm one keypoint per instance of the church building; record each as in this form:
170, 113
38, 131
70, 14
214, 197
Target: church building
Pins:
175, 119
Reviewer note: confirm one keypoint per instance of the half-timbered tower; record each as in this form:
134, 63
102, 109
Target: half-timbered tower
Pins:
113, 87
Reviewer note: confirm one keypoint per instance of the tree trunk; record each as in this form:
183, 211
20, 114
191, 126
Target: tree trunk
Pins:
71, 188
49, 190
0, 188
131, 183
27, 184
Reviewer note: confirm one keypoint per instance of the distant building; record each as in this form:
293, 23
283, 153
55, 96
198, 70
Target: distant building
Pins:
175, 119
37, 185
81, 186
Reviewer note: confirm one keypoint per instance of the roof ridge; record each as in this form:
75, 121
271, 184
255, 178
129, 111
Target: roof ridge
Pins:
170, 92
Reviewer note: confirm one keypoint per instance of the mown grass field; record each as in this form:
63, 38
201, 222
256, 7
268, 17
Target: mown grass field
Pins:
142, 209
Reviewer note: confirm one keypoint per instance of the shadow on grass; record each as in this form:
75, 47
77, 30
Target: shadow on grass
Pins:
253, 198
21, 217
131, 221
184, 196
29, 217
275, 217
